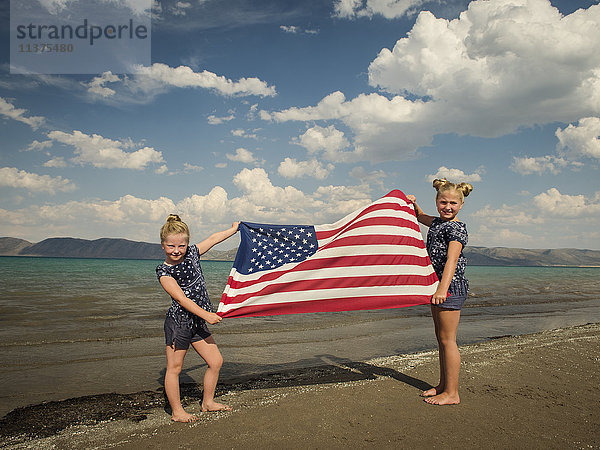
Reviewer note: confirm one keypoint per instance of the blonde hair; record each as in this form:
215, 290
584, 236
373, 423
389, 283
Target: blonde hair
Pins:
174, 225
443, 185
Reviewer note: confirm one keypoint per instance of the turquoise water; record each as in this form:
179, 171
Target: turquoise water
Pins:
60, 299
73, 327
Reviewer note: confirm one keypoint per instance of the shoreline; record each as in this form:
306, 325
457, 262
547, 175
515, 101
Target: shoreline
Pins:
552, 403
210, 258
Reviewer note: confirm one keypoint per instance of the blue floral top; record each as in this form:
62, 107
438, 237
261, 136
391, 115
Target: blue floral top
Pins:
188, 275
438, 238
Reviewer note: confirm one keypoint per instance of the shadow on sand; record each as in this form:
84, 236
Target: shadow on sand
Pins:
49, 418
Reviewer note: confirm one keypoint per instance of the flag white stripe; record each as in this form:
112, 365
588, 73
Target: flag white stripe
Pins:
379, 213
335, 252
390, 230
331, 273
328, 272
324, 294
355, 214
370, 250
359, 229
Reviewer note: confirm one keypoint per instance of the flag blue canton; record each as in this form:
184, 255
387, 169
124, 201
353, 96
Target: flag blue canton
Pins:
266, 247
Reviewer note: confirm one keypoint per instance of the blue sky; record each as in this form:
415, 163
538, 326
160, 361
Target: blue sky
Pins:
301, 112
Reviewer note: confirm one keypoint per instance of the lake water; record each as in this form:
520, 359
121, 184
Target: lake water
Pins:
75, 327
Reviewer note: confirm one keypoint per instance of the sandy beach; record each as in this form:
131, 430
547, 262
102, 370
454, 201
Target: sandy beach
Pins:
531, 391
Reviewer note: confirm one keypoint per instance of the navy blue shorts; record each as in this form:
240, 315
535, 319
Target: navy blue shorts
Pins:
181, 336
453, 302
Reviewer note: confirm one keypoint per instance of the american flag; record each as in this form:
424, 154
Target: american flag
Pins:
373, 258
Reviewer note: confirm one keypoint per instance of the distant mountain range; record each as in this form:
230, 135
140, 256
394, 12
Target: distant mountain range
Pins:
126, 249
98, 248
504, 256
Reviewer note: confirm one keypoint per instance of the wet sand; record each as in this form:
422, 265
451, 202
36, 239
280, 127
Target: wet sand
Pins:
531, 391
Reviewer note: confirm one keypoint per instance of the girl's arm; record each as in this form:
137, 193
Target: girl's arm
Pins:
423, 218
170, 285
216, 238
439, 297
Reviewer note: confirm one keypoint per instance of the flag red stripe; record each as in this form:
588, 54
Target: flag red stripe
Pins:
376, 221
336, 283
336, 261
324, 234
375, 239
329, 305
361, 246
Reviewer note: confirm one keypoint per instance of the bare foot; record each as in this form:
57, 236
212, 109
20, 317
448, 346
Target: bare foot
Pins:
184, 417
433, 391
443, 399
214, 406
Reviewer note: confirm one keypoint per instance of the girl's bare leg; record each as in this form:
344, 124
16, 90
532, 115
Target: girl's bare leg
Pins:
209, 351
174, 365
440, 386
448, 325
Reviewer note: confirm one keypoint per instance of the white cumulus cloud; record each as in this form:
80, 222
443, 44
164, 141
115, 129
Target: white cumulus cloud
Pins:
147, 82
292, 29
190, 168
501, 66
161, 75
262, 201
575, 142
376, 177
521, 56
553, 203
384, 128
131, 217
329, 140
390, 9
98, 84
289, 29
9, 111
549, 219
37, 145
338, 201
128, 216
239, 132
209, 208
241, 155
454, 175
57, 161
538, 165
291, 168
501, 237
106, 153
214, 120
15, 178
580, 140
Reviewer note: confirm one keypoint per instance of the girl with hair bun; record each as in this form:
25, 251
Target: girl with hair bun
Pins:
185, 324
446, 239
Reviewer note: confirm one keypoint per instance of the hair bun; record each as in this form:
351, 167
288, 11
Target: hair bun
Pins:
438, 183
174, 225
465, 188
442, 185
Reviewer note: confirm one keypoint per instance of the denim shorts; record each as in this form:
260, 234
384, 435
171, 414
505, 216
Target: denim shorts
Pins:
453, 302
182, 335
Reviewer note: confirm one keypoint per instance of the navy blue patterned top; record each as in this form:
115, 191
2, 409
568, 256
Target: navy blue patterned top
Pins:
438, 238
188, 275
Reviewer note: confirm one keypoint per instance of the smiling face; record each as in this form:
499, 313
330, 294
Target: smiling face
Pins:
448, 204
175, 246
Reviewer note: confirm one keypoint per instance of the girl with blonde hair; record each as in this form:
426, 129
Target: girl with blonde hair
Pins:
181, 277
446, 239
